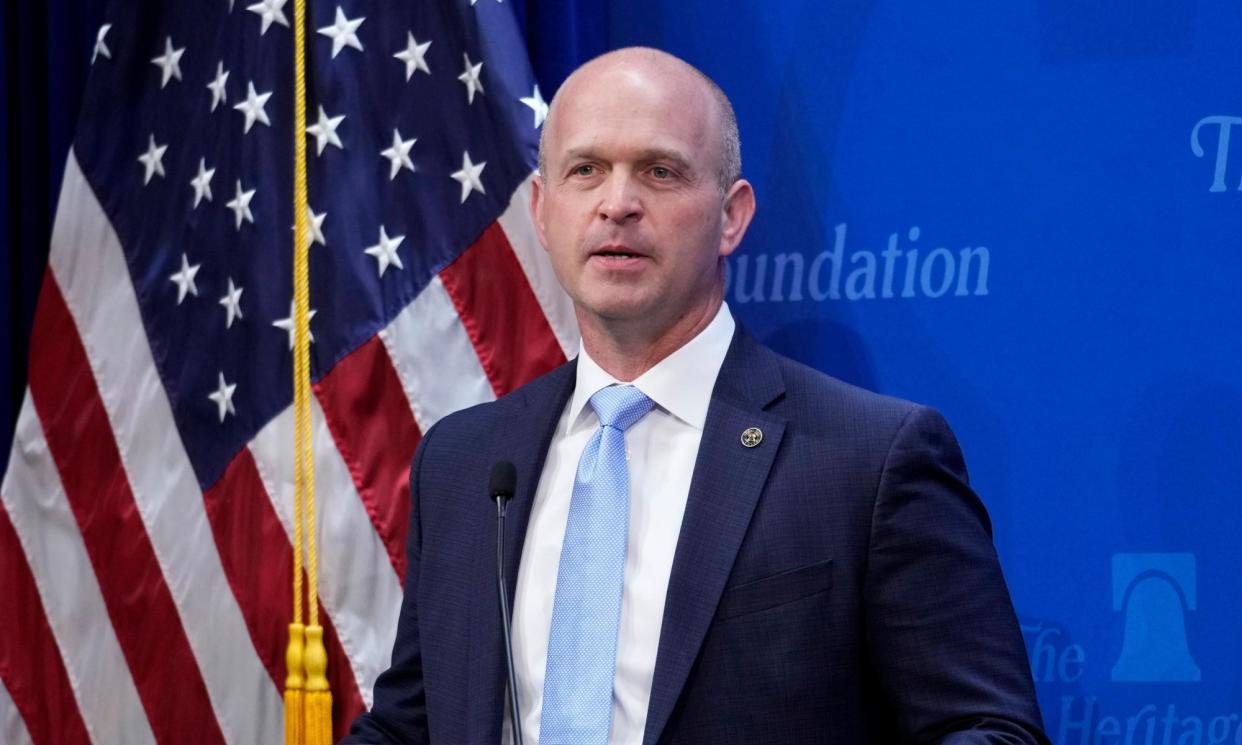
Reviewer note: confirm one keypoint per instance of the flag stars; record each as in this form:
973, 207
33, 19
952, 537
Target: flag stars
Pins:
223, 397
414, 56
314, 226
169, 62
241, 205
343, 32
399, 154
216, 86
252, 107
538, 105
286, 324
232, 304
269, 11
101, 47
471, 78
385, 252
184, 279
468, 176
202, 182
324, 131
152, 160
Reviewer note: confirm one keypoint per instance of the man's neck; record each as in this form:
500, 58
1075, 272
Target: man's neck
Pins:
627, 350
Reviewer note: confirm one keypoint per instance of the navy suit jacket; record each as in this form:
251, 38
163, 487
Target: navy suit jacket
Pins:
837, 583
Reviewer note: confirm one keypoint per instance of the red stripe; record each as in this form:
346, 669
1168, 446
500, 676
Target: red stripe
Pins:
30, 662
503, 318
139, 604
375, 432
258, 561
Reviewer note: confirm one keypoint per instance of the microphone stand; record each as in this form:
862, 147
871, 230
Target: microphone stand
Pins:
502, 502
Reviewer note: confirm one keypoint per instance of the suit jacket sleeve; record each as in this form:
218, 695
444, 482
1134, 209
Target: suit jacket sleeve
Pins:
399, 712
940, 629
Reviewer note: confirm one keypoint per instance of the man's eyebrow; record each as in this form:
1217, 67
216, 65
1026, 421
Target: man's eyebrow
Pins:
647, 155
671, 156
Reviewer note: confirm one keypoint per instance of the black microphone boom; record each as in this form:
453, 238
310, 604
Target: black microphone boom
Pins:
500, 487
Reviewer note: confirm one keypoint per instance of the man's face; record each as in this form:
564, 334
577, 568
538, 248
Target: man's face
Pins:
630, 207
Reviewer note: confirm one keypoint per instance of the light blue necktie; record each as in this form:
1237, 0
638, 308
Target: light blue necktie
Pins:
582, 646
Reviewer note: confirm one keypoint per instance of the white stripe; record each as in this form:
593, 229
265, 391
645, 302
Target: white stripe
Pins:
520, 230
35, 500
357, 585
12, 726
87, 260
438, 366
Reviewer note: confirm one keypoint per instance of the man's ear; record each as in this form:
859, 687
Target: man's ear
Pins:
738, 209
536, 208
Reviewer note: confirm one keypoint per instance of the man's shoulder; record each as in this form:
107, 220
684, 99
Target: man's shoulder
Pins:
809, 382
812, 392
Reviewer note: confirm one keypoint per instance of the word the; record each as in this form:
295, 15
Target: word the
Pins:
1224, 123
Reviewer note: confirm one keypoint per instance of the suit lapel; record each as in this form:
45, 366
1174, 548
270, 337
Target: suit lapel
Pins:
728, 479
523, 432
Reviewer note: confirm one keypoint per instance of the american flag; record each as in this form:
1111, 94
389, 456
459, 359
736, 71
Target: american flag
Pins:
146, 526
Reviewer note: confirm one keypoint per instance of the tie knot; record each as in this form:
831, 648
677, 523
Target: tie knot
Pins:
620, 406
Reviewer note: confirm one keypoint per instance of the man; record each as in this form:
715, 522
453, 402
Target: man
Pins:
717, 544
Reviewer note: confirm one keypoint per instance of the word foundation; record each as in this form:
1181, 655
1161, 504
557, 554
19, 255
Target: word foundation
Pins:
895, 272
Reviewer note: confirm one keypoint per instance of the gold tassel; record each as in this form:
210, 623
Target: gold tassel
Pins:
318, 696
295, 683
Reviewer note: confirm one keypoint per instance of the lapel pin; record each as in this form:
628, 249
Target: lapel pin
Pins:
752, 437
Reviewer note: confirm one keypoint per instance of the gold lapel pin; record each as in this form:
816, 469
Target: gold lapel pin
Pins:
752, 437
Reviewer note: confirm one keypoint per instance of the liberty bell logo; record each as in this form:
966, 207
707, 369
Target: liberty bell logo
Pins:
1153, 593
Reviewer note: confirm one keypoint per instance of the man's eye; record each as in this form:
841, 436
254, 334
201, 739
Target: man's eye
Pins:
584, 170
660, 172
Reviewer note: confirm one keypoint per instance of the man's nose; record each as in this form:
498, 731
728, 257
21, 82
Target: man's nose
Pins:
620, 202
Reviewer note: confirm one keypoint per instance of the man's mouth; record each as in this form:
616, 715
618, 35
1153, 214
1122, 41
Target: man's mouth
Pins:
617, 252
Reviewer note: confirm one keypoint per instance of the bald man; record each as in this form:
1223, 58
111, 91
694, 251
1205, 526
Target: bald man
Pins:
716, 544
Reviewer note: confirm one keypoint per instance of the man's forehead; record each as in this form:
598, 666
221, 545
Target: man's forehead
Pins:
634, 61
633, 91
634, 71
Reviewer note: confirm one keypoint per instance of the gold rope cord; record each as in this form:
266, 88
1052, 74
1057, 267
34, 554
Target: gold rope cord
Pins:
308, 700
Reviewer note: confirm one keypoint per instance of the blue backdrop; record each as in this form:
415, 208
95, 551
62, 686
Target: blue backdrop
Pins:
1024, 214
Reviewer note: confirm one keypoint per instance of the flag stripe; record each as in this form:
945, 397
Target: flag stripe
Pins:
31, 668
357, 585
376, 435
500, 312
439, 370
12, 727
141, 545
258, 560
520, 231
138, 599
98, 292
35, 501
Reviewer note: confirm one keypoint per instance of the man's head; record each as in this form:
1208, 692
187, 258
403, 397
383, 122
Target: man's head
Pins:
730, 139
639, 197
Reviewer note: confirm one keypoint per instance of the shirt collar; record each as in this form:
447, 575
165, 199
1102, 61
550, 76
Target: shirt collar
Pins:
681, 383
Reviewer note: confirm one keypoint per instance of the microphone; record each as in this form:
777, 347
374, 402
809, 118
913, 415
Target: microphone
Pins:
500, 487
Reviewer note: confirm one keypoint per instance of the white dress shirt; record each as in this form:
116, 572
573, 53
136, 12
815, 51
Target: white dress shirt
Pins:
661, 449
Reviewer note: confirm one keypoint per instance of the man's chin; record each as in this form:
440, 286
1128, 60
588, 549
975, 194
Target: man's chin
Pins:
620, 311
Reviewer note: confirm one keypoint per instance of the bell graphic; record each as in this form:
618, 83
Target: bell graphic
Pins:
1153, 593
